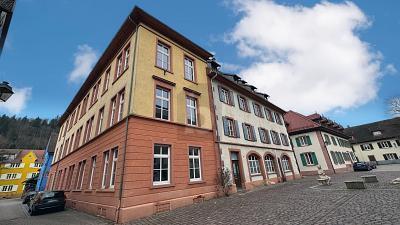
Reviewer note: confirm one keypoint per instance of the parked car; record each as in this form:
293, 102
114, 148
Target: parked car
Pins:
361, 166
372, 164
26, 198
47, 200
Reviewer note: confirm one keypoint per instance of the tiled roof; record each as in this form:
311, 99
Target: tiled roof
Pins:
20, 154
389, 128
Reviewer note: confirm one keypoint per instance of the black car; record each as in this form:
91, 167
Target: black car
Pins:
28, 196
361, 166
47, 200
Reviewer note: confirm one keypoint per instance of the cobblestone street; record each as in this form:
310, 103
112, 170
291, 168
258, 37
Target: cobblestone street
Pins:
299, 202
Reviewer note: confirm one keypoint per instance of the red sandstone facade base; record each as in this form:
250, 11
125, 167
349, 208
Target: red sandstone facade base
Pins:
139, 196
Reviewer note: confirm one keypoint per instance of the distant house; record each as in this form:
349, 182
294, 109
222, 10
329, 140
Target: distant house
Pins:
16, 166
48, 158
318, 140
378, 141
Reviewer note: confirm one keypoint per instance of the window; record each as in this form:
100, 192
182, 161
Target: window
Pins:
112, 110
113, 167
269, 164
69, 177
254, 165
84, 105
163, 56
327, 139
390, 156
303, 141
71, 144
384, 144
126, 57
275, 137
94, 94
225, 96
15, 165
106, 80
161, 165
230, 127
264, 135
333, 140
9, 188
189, 69
257, 110
248, 132
118, 70
121, 105
377, 133
243, 103
268, 115
80, 174
88, 131
366, 147
92, 170
309, 159
106, 156
191, 110
285, 163
162, 103
194, 164
278, 119
78, 137
100, 122
285, 140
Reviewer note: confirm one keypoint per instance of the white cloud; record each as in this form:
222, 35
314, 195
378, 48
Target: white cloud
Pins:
17, 102
230, 67
307, 58
85, 58
390, 69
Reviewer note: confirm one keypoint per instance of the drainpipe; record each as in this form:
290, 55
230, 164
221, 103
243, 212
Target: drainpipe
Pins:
127, 124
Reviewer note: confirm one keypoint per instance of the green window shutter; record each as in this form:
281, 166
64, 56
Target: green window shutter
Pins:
298, 142
308, 140
314, 157
303, 159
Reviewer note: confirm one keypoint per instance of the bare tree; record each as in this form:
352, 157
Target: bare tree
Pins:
394, 106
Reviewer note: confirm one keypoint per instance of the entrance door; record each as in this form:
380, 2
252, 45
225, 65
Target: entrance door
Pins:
371, 158
281, 170
236, 170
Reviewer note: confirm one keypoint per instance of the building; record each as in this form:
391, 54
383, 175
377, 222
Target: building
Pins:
6, 12
378, 141
251, 134
137, 138
16, 166
48, 159
318, 140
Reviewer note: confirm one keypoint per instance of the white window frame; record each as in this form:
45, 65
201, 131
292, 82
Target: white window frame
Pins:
94, 158
101, 119
390, 156
160, 53
226, 95
303, 141
285, 164
231, 127
309, 159
106, 156
254, 165
191, 110
243, 103
385, 144
119, 66
269, 164
121, 105
162, 156
366, 147
193, 158
189, 69
113, 108
107, 79
113, 173
126, 57
163, 99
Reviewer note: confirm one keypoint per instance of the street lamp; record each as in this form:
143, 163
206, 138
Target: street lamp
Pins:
5, 91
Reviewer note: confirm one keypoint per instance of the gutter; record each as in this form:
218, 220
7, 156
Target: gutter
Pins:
127, 124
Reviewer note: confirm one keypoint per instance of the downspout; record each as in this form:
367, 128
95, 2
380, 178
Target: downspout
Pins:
127, 123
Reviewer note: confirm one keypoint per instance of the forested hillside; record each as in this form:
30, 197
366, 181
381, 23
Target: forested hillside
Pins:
25, 133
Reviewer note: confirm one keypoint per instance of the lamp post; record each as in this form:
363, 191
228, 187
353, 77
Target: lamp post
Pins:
5, 91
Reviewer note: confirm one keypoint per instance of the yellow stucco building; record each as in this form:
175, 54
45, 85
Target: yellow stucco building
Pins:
16, 166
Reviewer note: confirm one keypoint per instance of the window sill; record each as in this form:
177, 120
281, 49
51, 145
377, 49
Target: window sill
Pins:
76, 190
155, 186
191, 81
105, 190
197, 182
119, 76
88, 191
271, 173
164, 70
256, 175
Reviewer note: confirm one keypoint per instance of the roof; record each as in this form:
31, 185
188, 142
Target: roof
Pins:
51, 145
19, 154
298, 123
136, 16
234, 80
7, 5
363, 133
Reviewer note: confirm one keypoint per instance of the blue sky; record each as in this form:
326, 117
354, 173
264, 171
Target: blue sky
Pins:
44, 37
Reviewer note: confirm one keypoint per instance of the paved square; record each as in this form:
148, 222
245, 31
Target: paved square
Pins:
299, 202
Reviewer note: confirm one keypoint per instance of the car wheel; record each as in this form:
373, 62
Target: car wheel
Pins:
31, 212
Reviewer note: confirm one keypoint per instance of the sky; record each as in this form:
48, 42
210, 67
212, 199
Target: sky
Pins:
337, 58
